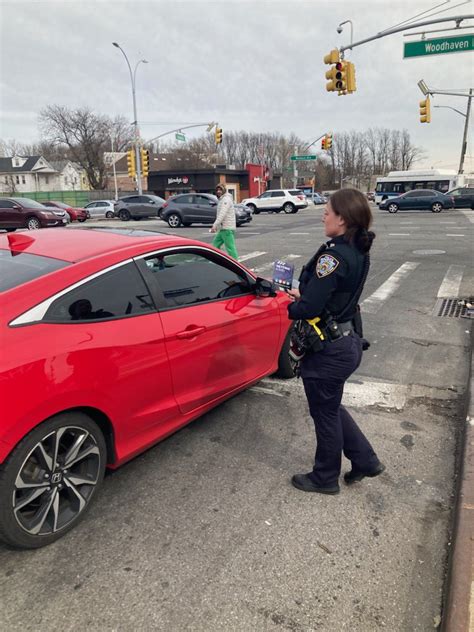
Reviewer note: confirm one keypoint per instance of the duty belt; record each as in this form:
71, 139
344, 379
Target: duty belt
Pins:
346, 328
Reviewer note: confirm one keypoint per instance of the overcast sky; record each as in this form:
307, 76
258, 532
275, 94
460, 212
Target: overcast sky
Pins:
250, 65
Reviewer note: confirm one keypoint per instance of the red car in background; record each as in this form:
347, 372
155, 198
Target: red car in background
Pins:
111, 341
76, 214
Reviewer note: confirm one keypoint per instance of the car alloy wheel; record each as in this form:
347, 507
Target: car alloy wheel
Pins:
109, 214
253, 208
49, 480
174, 220
33, 223
124, 215
392, 208
437, 207
288, 207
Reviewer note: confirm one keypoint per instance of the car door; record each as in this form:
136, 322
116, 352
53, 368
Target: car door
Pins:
117, 359
408, 201
277, 199
265, 201
10, 217
426, 199
207, 209
132, 204
219, 335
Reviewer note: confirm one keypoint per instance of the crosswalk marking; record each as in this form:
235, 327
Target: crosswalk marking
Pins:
252, 255
300, 233
469, 215
269, 266
374, 302
451, 283
454, 235
399, 234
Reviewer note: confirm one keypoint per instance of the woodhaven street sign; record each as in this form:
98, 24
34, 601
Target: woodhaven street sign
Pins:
180, 136
439, 46
312, 157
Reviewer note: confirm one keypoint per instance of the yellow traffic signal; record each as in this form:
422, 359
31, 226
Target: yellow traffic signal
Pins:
131, 164
425, 110
351, 77
218, 135
328, 139
332, 58
323, 143
145, 155
338, 78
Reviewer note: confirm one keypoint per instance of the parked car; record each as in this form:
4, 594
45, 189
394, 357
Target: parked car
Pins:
100, 208
418, 199
75, 213
316, 198
198, 208
463, 197
276, 200
20, 212
137, 207
134, 336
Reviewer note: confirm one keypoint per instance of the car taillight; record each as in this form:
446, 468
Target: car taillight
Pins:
164, 205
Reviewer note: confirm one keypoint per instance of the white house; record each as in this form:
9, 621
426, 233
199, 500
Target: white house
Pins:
72, 176
23, 174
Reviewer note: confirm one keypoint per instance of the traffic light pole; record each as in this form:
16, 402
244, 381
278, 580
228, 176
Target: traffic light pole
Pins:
466, 127
295, 170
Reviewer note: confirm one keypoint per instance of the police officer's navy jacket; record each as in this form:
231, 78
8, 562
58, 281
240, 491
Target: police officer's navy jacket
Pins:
329, 281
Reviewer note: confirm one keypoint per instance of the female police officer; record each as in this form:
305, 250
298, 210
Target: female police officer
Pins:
330, 285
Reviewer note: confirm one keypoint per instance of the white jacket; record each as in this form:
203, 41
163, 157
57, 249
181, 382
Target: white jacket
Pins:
225, 213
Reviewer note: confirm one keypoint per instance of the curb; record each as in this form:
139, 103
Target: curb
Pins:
458, 615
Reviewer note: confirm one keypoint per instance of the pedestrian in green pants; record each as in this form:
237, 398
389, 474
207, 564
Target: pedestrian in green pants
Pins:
225, 225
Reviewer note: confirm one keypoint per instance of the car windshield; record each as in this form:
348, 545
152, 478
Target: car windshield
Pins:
20, 267
28, 203
61, 205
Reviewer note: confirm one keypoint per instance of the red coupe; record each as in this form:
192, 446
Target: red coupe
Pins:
111, 341
75, 213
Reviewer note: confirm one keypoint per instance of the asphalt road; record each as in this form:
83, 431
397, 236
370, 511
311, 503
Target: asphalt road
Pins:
204, 532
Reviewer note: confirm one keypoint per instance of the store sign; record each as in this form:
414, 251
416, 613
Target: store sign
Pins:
179, 180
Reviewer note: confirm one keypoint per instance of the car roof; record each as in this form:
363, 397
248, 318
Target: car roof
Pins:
79, 244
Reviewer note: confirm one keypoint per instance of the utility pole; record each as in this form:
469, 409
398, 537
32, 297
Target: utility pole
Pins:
295, 170
464, 139
113, 167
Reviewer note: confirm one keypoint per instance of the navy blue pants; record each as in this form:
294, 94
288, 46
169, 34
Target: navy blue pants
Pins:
324, 374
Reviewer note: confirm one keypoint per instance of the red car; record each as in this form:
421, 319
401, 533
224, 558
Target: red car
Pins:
111, 341
76, 214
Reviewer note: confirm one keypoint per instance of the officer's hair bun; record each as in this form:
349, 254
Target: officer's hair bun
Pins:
363, 239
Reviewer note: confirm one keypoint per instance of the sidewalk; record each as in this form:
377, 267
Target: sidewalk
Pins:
459, 602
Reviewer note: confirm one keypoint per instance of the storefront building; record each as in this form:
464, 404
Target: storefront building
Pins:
240, 183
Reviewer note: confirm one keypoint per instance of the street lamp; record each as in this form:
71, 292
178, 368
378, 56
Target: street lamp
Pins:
135, 117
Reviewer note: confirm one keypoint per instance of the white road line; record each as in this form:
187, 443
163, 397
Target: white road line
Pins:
399, 234
447, 222
269, 266
454, 235
451, 283
374, 302
246, 233
252, 255
300, 233
469, 215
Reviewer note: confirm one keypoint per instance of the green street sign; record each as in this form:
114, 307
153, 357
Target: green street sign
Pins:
180, 137
312, 157
439, 46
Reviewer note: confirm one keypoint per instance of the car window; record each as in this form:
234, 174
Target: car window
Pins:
92, 205
426, 194
115, 294
144, 199
28, 203
133, 199
185, 199
277, 194
412, 194
24, 267
187, 278
7, 204
295, 192
265, 195
201, 199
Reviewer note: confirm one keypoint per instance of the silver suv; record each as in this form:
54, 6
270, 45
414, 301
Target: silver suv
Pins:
276, 200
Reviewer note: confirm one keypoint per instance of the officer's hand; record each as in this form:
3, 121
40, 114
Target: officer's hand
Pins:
294, 293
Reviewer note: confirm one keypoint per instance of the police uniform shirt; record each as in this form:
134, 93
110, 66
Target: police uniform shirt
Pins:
329, 280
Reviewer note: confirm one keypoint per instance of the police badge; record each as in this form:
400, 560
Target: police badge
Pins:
325, 265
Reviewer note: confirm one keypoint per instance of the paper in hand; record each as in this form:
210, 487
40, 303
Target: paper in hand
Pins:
283, 274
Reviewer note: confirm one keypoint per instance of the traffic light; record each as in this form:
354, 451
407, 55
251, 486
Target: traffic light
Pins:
328, 143
131, 165
425, 110
218, 135
323, 143
351, 77
332, 58
338, 78
145, 155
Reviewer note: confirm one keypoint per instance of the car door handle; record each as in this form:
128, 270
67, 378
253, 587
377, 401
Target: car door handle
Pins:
192, 332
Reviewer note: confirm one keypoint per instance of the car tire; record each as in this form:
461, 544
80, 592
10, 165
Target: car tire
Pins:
288, 208
174, 220
10, 230
253, 208
124, 215
82, 220
33, 223
69, 485
437, 207
295, 210
392, 207
285, 369
109, 214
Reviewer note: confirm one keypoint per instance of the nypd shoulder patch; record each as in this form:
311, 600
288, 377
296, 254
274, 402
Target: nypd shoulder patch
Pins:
326, 265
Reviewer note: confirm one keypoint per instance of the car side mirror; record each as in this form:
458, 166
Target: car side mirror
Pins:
264, 288
16, 207
213, 203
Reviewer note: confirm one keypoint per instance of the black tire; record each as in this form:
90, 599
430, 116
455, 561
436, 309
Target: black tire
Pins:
436, 207
33, 223
109, 214
10, 230
295, 210
392, 207
288, 208
68, 486
253, 208
124, 215
82, 220
285, 369
174, 220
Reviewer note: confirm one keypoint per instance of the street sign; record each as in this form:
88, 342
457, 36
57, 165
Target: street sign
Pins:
312, 157
180, 136
439, 46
